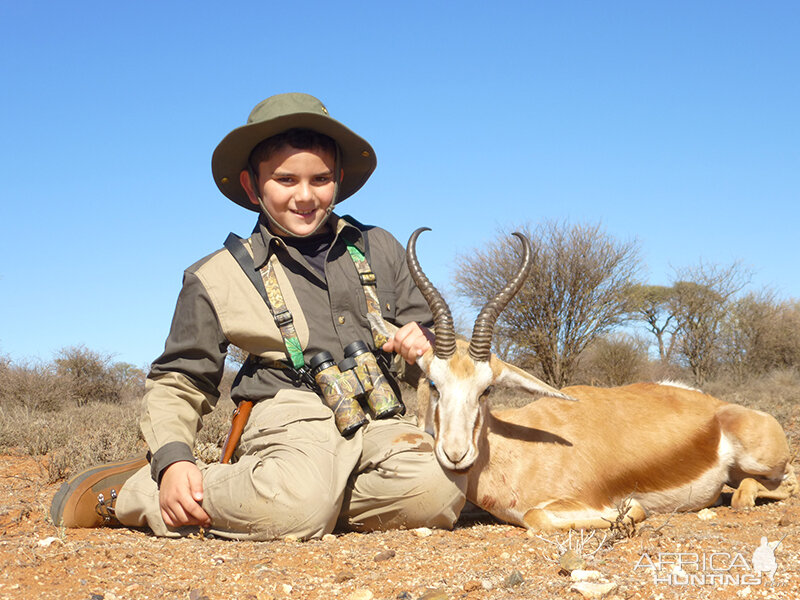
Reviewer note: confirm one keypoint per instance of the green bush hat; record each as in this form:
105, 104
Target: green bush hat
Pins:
275, 115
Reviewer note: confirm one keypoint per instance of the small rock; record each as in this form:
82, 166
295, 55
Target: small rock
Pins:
195, 594
434, 595
571, 561
361, 594
287, 589
744, 592
706, 514
487, 585
385, 555
590, 589
505, 556
342, 576
514, 579
785, 520
471, 586
47, 541
291, 539
423, 532
583, 575
404, 596
328, 537
96, 597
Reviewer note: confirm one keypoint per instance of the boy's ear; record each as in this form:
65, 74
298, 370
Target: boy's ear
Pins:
341, 176
247, 185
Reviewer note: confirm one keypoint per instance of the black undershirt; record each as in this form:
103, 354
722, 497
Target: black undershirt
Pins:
313, 248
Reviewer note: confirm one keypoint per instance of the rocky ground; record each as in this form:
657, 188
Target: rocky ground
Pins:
480, 559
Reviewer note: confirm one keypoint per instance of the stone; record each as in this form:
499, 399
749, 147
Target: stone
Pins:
706, 514
514, 579
361, 594
385, 555
591, 589
434, 595
343, 576
423, 532
472, 585
584, 575
571, 561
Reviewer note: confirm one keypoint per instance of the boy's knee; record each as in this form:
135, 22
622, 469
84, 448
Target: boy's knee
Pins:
439, 503
304, 515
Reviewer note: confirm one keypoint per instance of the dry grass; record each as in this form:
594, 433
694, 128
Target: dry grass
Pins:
43, 413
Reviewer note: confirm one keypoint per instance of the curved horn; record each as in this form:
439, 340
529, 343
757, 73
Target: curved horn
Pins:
445, 344
480, 347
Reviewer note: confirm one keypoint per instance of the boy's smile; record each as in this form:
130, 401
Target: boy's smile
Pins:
297, 188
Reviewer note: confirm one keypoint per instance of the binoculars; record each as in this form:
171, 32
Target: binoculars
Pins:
355, 379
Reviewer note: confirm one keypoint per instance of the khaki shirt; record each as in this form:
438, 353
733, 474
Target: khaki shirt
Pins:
218, 306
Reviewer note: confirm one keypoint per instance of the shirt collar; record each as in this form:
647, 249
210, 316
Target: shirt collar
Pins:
264, 241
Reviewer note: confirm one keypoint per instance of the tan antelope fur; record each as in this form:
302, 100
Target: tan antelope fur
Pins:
576, 458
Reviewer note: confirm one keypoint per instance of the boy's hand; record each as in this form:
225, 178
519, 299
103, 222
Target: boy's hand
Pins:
180, 495
410, 341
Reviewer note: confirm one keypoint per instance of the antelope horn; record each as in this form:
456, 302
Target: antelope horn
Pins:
445, 344
480, 347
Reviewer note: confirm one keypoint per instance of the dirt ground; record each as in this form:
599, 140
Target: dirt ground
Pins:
480, 559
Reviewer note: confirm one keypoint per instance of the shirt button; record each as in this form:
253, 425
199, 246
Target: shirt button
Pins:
341, 320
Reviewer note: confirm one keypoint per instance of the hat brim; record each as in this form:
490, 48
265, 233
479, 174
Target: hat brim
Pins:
230, 157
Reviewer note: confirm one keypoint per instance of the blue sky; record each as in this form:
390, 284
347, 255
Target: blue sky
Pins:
672, 123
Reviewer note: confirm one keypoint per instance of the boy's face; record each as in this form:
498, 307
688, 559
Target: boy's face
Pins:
297, 187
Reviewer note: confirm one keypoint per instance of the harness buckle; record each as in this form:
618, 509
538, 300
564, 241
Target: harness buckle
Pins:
283, 317
368, 278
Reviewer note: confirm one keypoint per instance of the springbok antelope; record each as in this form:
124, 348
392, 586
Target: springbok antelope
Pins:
573, 457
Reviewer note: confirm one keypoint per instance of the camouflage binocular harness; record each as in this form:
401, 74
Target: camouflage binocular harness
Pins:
355, 380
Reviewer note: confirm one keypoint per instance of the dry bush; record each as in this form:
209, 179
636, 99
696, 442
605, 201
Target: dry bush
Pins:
90, 374
74, 437
578, 288
35, 387
761, 334
101, 433
613, 360
776, 393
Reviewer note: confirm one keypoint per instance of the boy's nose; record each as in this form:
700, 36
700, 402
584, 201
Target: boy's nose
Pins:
305, 191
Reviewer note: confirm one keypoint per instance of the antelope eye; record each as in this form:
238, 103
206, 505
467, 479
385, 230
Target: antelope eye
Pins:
486, 392
432, 384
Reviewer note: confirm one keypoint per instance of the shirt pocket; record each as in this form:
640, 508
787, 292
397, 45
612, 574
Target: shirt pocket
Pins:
388, 299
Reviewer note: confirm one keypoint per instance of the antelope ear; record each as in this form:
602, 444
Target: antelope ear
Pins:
512, 376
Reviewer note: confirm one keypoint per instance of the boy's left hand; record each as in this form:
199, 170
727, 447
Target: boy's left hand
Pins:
411, 341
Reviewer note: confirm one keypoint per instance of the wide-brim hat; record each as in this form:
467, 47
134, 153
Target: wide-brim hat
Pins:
275, 115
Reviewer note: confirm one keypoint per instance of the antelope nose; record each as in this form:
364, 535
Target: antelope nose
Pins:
455, 456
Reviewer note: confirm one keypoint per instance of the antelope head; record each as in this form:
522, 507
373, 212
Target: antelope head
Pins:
458, 376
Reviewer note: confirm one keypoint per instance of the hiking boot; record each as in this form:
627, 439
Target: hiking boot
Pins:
88, 498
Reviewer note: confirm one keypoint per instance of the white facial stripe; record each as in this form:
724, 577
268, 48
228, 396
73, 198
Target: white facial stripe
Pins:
458, 409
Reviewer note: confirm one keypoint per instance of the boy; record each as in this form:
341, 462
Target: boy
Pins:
296, 474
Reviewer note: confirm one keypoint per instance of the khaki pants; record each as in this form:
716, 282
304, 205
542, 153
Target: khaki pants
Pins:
297, 476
